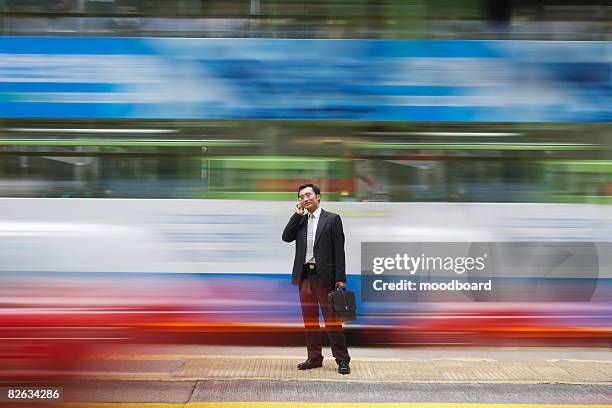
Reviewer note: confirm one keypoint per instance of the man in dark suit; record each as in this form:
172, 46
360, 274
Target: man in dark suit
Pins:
318, 268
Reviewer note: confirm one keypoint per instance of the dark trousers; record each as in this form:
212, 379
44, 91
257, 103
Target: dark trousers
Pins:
313, 294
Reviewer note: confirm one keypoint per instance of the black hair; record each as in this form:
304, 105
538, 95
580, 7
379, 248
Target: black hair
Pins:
315, 188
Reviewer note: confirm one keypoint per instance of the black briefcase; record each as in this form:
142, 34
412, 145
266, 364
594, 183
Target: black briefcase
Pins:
342, 302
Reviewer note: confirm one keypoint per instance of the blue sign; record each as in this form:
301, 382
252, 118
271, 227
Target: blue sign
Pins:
365, 80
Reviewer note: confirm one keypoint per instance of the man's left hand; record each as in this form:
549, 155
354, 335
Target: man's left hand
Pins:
340, 285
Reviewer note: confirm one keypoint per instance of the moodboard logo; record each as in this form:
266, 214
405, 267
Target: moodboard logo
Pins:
481, 271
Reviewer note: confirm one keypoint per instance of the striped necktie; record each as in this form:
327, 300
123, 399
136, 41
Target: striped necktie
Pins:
310, 239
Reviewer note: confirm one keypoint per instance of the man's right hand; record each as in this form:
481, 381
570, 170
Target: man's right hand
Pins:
299, 209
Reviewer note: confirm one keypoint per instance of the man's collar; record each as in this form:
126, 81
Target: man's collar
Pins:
317, 213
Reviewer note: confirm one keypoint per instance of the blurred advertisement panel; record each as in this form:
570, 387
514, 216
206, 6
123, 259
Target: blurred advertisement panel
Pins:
422, 81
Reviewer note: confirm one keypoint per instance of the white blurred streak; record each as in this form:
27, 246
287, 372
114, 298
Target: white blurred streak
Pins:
54, 229
126, 69
85, 130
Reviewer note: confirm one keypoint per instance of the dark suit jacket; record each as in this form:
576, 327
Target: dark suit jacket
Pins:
328, 246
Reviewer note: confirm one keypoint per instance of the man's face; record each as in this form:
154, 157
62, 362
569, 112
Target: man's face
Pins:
309, 199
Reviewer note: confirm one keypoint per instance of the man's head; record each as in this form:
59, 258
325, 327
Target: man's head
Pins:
310, 196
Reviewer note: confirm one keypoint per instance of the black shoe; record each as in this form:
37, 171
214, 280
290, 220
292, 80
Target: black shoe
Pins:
343, 367
310, 363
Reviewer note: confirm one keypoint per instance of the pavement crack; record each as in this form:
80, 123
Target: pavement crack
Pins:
195, 384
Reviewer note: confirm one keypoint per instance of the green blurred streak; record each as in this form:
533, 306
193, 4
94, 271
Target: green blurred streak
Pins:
258, 195
582, 166
272, 163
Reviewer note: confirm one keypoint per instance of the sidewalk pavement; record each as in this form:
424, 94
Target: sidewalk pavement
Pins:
508, 365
